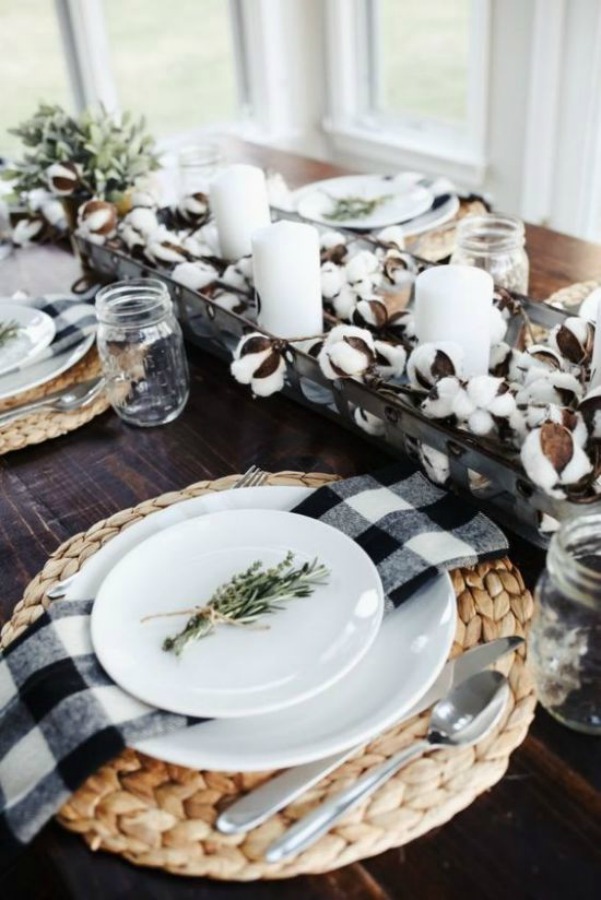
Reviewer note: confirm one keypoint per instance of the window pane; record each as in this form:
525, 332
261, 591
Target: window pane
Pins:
32, 66
423, 50
173, 61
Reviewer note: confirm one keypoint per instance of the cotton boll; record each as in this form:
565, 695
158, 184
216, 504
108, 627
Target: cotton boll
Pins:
143, 220
498, 326
482, 401
63, 178
97, 220
431, 361
364, 287
329, 239
209, 235
559, 388
590, 305
393, 235
245, 266
371, 312
552, 458
27, 230
347, 352
344, 302
369, 423
439, 402
436, 464
573, 339
54, 213
361, 266
540, 356
390, 359
258, 363
233, 277
194, 208
332, 280
506, 362
195, 275
232, 302
590, 409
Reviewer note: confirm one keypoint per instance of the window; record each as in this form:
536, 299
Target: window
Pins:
32, 66
420, 58
410, 77
173, 62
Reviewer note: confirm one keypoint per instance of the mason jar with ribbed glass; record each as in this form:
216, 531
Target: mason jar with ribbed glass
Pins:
565, 636
496, 244
141, 349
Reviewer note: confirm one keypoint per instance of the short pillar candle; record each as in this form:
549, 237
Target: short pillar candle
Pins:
453, 303
286, 269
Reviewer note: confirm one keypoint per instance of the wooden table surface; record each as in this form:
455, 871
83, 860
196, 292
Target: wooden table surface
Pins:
535, 835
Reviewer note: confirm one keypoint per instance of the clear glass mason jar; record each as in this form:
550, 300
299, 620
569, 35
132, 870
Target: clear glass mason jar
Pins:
565, 636
141, 349
496, 244
198, 165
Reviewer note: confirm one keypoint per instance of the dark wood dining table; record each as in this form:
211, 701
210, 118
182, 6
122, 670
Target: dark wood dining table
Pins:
537, 834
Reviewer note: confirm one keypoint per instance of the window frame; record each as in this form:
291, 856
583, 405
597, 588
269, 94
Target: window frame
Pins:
354, 122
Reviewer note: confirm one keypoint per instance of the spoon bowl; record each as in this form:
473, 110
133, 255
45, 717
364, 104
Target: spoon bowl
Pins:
462, 718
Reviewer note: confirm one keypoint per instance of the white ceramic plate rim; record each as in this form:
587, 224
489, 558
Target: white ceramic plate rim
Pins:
427, 221
25, 316
170, 747
390, 213
209, 681
11, 385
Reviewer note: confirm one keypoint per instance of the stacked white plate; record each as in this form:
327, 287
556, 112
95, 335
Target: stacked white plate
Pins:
21, 368
332, 670
411, 200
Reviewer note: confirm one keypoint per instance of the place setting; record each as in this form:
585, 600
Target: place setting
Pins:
260, 628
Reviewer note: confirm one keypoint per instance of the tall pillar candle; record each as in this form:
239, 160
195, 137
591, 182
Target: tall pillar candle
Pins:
453, 303
286, 268
240, 205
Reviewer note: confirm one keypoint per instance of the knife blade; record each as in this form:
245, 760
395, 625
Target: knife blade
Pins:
258, 805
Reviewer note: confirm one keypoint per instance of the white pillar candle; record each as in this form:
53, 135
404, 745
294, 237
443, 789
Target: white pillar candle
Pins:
286, 269
596, 359
453, 303
240, 205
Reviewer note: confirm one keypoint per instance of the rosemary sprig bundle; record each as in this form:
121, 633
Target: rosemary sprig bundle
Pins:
248, 596
354, 207
8, 331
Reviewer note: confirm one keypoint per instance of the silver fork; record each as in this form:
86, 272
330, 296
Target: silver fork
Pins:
253, 477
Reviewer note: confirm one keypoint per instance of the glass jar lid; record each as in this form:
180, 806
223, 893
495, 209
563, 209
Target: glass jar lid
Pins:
489, 234
133, 304
574, 559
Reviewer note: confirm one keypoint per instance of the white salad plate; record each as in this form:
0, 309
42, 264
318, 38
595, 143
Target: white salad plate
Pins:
312, 201
408, 654
292, 654
35, 332
14, 383
399, 200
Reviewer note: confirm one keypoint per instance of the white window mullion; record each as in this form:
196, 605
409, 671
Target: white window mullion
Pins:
87, 51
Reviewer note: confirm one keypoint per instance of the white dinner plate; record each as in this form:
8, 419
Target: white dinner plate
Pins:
36, 330
292, 654
14, 383
400, 201
426, 625
443, 202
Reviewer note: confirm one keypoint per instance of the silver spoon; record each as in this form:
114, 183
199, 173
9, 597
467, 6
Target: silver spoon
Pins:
460, 719
68, 400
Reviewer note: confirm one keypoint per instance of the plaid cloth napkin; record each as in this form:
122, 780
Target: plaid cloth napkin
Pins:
61, 717
74, 320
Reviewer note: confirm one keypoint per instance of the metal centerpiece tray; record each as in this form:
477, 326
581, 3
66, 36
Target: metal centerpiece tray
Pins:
478, 467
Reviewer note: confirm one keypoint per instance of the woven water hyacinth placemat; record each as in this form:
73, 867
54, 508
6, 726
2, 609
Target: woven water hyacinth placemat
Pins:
42, 426
156, 814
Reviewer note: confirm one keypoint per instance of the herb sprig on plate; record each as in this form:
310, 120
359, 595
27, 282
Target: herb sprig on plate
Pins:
8, 331
248, 596
352, 207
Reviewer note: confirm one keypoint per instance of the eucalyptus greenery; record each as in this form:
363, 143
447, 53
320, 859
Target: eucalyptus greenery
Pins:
111, 152
248, 596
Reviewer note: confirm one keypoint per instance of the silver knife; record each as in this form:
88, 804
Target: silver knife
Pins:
258, 805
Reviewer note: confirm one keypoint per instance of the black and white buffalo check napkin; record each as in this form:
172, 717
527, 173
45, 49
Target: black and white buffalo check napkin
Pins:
61, 717
74, 320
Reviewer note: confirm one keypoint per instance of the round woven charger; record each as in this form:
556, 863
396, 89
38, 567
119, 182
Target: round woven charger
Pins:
42, 426
439, 244
156, 814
